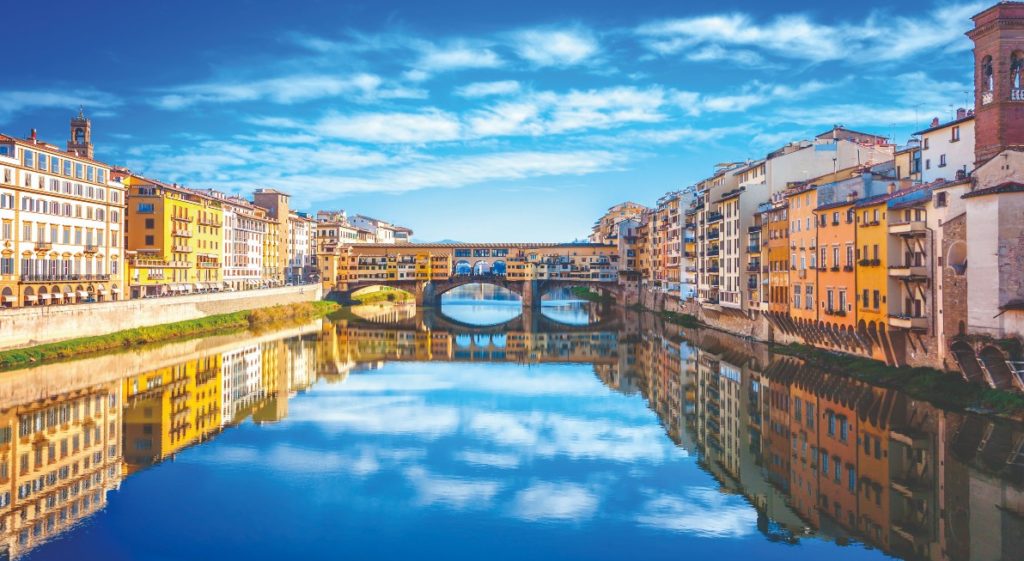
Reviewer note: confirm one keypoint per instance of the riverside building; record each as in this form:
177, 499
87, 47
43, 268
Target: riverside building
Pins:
61, 218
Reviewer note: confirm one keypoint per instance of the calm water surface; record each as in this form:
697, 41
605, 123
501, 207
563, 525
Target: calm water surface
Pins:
579, 434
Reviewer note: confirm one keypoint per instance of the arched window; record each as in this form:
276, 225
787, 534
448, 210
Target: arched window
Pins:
1016, 67
987, 74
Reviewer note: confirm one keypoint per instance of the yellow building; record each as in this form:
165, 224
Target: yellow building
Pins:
272, 274
872, 263
174, 239
170, 408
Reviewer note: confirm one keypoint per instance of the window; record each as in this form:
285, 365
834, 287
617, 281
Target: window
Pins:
67, 167
796, 296
149, 240
942, 161
809, 297
842, 300
875, 299
831, 423
150, 223
79, 168
29, 158
797, 408
145, 208
810, 416
849, 255
844, 429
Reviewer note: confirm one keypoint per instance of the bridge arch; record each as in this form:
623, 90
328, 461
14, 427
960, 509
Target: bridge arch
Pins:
499, 268
481, 268
463, 268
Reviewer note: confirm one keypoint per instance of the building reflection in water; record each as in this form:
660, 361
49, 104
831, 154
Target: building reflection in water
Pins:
816, 454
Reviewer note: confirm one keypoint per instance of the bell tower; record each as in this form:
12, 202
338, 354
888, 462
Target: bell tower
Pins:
80, 142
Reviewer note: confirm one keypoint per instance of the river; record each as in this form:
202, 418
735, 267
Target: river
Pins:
479, 432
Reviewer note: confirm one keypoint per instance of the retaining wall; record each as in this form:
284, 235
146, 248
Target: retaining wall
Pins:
22, 327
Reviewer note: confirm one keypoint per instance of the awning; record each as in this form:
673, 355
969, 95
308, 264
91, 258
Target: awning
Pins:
116, 290
103, 291
57, 296
196, 287
44, 296
9, 299
83, 294
69, 295
30, 298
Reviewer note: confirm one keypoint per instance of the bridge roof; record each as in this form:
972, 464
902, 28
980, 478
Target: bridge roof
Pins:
488, 245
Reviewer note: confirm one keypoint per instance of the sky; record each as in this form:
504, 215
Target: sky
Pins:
474, 121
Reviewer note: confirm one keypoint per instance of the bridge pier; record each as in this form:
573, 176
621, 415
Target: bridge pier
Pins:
531, 295
425, 295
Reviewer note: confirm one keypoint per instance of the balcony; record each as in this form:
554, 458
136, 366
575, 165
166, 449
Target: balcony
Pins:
714, 217
754, 248
1016, 95
753, 266
713, 235
181, 249
869, 262
907, 272
835, 312
912, 228
711, 253
752, 284
712, 270
908, 322
43, 246
91, 248
181, 233
802, 273
182, 217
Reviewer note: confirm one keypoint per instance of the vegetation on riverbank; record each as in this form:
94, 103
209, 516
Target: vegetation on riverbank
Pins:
257, 319
383, 294
941, 388
685, 320
584, 293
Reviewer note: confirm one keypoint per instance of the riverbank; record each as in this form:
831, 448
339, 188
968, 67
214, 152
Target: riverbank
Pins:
38, 325
944, 389
219, 324
584, 293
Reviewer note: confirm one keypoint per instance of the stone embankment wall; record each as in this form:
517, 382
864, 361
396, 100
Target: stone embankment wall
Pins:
22, 327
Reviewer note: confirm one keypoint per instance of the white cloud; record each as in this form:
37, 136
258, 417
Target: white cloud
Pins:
488, 459
758, 93
452, 492
704, 512
284, 90
555, 501
484, 89
556, 47
456, 56
432, 125
68, 100
881, 37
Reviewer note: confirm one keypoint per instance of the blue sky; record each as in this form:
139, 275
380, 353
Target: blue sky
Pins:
467, 120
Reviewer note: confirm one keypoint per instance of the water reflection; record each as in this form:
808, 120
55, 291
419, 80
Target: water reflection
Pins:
481, 304
562, 306
428, 434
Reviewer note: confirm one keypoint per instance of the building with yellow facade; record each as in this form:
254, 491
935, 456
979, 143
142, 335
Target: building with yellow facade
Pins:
170, 408
174, 238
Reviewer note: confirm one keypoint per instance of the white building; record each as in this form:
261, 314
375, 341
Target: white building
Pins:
245, 226
947, 149
301, 247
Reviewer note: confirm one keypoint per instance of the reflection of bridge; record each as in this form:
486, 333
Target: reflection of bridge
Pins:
430, 270
405, 317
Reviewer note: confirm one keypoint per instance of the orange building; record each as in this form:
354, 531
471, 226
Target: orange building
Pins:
872, 263
875, 410
803, 247
837, 449
837, 277
776, 256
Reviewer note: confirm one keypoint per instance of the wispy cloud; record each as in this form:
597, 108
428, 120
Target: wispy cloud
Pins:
456, 56
555, 501
432, 125
18, 101
284, 90
881, 37
485, 89
556, 47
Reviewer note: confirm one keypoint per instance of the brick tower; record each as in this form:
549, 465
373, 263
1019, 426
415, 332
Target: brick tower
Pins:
80, 142
998, 37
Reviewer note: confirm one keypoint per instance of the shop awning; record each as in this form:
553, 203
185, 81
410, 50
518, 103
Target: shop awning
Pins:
69, 295
83, 294
57, 296
30, 298
9, 299
44, 296
116, 290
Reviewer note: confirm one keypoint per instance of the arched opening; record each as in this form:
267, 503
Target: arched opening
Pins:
956, 257
995, 362
44, 296
30, 297
463, 268
481, 304
379, 294
968, 361
69, 294
499, 268
8, 297
1016, 67
481, 268
571, 305
56, 296
987, 75
463, 340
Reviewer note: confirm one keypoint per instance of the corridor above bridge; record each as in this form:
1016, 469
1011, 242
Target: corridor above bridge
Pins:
516, 266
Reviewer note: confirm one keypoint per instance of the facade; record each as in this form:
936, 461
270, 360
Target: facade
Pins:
61, 226
947, 149
244, 231
275, 257
837, 278
803, 257
606, 227
301, 248
174, 238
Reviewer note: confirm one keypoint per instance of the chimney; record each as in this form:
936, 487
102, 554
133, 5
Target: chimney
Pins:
961, 113
851, 196
935, 122
892, 188
32, 136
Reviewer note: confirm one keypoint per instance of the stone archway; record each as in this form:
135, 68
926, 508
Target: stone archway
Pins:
481, 268
999, 372
499, 268
8, 297
463, 268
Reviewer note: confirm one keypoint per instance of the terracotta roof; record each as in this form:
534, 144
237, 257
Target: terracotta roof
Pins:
837, 204
1008, 187
948, 124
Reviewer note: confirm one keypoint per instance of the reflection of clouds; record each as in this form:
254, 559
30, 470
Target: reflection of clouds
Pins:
551, 435
296, 460
488, 459
378, 415
453, 492
555, 501
702, 511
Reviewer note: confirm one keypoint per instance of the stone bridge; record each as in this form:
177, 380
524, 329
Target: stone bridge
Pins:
428, 271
